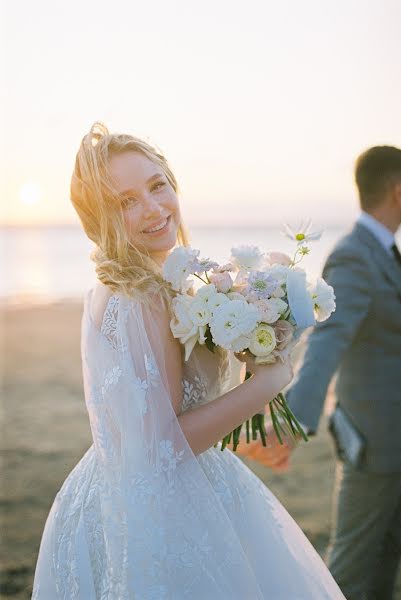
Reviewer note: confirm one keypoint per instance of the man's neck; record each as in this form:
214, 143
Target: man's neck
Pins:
386, 219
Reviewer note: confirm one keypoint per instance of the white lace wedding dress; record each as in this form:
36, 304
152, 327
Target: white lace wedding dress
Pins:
140, 516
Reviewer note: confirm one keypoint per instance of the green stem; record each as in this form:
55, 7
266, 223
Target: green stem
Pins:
199, 277
275, 423
236, 437
254, 427
293, 418
262, 429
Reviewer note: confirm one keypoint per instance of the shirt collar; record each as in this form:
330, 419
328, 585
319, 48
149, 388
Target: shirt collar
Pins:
380, 231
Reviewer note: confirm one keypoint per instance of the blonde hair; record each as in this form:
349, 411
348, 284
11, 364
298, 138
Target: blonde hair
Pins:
119, 264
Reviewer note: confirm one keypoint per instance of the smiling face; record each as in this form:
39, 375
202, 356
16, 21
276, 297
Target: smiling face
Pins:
150, 204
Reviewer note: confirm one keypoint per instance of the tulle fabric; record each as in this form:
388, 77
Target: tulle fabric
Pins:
141, 517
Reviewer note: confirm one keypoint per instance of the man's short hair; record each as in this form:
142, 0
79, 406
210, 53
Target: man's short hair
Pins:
376, 170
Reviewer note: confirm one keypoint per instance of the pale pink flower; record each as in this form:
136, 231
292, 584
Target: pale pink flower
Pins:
222, 281
270, 309
278, 258
223, 268
284, 333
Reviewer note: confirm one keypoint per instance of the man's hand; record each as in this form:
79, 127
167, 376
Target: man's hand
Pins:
276, 456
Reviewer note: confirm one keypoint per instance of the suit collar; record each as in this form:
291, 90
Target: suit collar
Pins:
387, 263
380, 231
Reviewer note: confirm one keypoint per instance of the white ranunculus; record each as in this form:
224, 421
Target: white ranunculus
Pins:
323, 298
263, 340
185, 326
178, 267
231, 322
246, 257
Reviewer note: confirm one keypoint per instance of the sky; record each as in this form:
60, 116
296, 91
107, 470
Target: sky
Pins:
261, 107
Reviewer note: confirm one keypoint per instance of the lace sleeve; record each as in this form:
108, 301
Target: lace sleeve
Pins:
166, 532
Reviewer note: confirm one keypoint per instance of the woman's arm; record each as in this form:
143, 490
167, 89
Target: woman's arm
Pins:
205, 425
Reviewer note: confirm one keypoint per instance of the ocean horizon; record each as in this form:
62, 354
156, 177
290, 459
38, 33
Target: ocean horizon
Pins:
50, 263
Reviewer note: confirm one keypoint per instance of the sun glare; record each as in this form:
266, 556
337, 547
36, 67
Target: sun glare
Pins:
30, 193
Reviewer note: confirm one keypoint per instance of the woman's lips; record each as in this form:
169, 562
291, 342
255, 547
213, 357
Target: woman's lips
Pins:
157, 228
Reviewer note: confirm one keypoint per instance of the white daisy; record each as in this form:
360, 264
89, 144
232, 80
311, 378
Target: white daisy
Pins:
302, 234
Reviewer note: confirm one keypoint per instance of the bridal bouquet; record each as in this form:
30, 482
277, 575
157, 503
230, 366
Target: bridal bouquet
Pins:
256, 302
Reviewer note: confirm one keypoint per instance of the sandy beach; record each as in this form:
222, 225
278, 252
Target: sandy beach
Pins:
47, 431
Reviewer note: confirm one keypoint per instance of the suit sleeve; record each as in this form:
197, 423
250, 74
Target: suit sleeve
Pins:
350, 277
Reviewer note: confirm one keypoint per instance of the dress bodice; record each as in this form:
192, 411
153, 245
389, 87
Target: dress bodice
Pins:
206, 375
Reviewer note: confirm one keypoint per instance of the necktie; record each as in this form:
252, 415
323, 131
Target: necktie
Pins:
396, 253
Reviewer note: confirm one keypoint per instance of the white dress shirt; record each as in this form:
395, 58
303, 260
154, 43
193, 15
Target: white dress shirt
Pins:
380, 231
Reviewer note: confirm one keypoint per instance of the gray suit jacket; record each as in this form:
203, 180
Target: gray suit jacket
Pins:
362, 341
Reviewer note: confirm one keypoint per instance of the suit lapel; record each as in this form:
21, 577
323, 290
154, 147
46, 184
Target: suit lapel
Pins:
387, 263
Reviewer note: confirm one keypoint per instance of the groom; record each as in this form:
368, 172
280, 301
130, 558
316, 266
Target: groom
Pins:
362, 341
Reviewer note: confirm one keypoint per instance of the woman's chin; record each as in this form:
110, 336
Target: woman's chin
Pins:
162, 249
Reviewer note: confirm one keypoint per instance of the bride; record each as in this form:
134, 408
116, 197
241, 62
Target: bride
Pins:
153, 510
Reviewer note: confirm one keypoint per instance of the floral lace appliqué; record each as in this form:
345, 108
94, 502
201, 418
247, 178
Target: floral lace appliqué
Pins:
110, 322
194, 392
152, 371
111, 378
169, 458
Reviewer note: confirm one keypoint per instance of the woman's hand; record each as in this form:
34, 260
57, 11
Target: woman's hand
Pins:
280, 369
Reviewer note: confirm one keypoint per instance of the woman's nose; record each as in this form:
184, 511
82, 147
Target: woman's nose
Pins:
151, 207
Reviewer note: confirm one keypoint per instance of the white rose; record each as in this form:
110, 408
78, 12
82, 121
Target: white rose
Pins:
263, 340
179, 266
185, 326
323, 298
232, 322
246, 257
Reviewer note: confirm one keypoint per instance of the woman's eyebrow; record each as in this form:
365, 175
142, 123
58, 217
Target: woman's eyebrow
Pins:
152, 178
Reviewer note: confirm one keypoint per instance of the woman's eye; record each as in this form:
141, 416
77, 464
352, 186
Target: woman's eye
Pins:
159, 185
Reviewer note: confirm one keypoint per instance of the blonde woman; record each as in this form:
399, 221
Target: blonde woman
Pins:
153, 510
